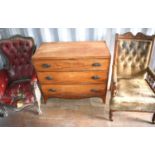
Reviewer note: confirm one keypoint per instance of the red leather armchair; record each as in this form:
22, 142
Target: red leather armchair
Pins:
18, 76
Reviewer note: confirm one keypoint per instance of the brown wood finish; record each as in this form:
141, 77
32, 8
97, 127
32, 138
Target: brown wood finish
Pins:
74, 91
72, 50
70, 64
86, 77
138, 36
73, 69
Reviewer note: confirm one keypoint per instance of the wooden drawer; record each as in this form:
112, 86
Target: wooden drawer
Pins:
71, 65
74, 91
72, 77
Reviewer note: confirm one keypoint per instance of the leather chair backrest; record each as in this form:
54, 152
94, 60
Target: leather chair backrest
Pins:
18, 51
132, 54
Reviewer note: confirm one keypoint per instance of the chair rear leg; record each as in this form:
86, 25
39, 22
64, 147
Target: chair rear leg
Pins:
111, 115
153, 118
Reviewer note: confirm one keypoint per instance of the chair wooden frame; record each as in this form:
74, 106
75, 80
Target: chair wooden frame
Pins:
129, 35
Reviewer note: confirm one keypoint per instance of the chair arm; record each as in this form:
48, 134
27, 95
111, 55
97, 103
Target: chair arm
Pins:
114, 81
3, 82
150, 78
34, 78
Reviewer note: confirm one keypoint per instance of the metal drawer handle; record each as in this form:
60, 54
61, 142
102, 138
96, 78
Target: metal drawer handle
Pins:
48, 78
95, 77
94, 90
46, 65
96, 64
52, 90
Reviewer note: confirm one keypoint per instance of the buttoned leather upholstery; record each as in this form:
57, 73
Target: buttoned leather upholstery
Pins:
18, 51
133, 57
19, 72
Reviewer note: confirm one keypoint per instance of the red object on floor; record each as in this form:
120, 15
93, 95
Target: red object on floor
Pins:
18, 75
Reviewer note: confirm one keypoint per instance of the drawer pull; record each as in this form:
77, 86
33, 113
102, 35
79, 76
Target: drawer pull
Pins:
48, 78
96, 64
95, 77
52, 90
46, 65
94, 90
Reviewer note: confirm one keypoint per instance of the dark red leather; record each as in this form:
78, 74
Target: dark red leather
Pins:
3, 82
20, 73
18, 52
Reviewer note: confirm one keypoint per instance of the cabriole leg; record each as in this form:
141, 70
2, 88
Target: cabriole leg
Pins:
39, 109
38, 97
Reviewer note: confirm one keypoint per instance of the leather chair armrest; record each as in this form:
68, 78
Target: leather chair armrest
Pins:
114, 81
3, 82
150, 78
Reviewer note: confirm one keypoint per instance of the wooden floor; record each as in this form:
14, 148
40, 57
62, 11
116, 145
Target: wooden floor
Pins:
75, 113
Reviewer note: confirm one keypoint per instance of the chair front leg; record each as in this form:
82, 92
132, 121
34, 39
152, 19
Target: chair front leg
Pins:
37, 94
153, 118
39, 107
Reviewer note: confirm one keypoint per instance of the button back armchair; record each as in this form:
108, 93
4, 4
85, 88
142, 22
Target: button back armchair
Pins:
133, 83
18, 78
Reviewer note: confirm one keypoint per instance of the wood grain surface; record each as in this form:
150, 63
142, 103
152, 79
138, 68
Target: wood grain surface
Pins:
86, 77
71, 64
74, 91
73, 69
67, 50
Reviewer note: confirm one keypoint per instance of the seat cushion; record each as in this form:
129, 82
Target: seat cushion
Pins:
17, 91
133, 95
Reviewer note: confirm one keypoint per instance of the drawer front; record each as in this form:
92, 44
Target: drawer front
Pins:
71, 65
72, 77
74, 91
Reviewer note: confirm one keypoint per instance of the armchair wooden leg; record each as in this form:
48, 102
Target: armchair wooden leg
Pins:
110, 115
39, 109
153, 118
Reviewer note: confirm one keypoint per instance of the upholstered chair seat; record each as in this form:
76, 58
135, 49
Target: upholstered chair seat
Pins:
133, 94
133, 83
12, 93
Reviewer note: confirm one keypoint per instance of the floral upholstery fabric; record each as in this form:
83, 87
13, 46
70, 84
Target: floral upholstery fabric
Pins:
18, 91
133, 94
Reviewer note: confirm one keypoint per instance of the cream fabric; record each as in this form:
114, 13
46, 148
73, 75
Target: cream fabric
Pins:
133, 57
133, 94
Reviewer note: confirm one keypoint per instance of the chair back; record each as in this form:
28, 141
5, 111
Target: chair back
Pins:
132, 54
18, 51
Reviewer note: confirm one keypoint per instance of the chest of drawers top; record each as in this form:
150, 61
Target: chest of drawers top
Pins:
72, 50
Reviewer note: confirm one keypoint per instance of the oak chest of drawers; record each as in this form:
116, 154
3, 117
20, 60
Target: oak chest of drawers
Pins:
72, 69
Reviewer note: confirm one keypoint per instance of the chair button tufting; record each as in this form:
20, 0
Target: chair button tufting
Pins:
122, 58
129, 59
125, 65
